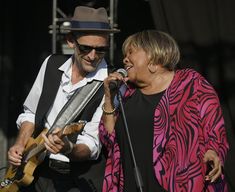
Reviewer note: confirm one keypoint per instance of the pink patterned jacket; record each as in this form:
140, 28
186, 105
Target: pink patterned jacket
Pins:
187, 122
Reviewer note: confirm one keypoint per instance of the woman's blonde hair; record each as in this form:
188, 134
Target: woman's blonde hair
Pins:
161, 47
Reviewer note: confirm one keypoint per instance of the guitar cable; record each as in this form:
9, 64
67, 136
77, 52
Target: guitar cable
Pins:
2, 168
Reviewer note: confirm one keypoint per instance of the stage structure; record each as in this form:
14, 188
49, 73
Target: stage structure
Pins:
59, 18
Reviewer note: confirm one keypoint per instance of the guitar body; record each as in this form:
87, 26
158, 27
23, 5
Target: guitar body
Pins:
23, 175
33, 155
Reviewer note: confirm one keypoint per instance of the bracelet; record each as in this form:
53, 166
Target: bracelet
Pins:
108, 112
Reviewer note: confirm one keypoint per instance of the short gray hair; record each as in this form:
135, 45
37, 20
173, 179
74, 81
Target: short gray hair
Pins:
160, 46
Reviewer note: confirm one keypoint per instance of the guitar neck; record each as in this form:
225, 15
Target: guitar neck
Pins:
41, 147
67, 130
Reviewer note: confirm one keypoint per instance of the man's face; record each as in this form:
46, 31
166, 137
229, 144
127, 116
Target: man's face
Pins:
89, 51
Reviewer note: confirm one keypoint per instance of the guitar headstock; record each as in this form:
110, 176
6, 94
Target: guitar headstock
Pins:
73, 128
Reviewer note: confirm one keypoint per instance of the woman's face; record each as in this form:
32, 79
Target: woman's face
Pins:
136, 63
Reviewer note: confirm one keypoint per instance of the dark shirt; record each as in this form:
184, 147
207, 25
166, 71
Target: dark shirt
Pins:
139, 111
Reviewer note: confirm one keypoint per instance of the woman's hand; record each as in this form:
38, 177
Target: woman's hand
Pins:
108, 107
115, 76
215, 166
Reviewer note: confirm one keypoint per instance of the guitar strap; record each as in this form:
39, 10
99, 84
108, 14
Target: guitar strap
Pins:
76, 104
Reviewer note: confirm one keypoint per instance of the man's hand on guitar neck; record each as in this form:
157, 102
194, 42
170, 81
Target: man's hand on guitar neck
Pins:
55, 144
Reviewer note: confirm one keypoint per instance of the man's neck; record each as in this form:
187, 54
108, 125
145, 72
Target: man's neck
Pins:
76, 74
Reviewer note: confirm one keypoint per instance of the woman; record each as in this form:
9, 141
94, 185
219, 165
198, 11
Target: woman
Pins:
174, 120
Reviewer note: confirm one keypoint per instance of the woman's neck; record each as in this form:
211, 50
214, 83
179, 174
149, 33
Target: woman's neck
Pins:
158, 82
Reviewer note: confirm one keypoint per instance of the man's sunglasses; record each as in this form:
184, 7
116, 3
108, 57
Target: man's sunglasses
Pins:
85, 49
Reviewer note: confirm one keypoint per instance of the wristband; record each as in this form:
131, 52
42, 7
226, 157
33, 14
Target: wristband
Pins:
69, 150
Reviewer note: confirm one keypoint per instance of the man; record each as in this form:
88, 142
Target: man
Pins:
88, 36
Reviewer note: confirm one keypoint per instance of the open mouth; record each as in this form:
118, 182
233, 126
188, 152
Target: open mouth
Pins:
128, 67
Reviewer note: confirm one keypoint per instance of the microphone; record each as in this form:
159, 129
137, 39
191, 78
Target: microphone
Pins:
114, 85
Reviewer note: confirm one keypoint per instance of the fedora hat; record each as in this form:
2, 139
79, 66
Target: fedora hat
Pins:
87, 19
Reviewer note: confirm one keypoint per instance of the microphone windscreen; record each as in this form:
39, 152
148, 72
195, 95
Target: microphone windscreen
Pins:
123, 72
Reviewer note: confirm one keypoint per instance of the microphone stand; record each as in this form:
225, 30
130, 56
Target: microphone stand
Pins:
138, 178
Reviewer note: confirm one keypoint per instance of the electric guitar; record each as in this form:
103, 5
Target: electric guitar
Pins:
22, 175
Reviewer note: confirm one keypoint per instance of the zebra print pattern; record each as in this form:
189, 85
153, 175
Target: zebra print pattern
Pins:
188, 121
